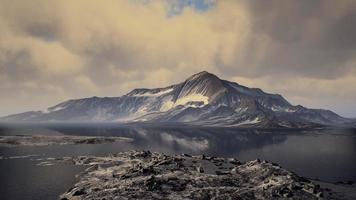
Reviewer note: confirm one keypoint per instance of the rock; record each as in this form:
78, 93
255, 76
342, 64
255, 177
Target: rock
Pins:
186, 155
147, 170
146, 175
235, 161
152, 184
79, 192
222, 172
200, 169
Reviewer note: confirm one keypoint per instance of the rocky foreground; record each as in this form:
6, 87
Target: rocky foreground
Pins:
146, 175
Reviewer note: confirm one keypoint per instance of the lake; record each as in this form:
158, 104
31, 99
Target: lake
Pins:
328, 155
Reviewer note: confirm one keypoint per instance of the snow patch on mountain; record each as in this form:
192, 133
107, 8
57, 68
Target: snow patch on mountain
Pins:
240, 110
167, 106
192, 98
150, 94
45, 111
249, 121
282, 109
49, 110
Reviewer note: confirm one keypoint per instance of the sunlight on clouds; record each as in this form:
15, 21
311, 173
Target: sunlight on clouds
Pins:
107, 48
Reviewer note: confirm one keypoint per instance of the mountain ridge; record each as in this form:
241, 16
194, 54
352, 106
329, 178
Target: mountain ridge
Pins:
202, 99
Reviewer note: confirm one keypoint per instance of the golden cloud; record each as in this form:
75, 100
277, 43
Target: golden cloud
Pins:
90, 47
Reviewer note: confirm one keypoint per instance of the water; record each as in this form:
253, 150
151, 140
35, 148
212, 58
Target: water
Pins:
327, 155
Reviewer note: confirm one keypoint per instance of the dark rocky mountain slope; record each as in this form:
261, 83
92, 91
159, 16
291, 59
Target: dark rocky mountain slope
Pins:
202, 99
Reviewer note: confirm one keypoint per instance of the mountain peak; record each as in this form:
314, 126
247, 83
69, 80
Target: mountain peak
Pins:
202, 99
202, 83
202, 75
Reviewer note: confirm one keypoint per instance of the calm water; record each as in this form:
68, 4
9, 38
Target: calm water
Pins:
324, 154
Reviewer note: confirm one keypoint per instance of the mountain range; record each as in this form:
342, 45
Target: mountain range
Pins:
203, 99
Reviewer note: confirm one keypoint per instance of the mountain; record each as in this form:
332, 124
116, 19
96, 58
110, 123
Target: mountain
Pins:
203, 99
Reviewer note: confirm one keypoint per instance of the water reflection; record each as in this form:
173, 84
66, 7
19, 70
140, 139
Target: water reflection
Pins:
216, 142
324, 154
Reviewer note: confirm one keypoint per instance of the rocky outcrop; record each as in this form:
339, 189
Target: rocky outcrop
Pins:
146, 175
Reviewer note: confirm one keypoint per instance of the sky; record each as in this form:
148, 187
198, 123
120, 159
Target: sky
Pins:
51, 50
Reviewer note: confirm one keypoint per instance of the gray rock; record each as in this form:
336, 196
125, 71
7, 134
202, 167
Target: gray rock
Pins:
143, 175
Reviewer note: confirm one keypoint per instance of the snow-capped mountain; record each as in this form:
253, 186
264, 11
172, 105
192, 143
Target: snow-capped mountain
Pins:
202, 99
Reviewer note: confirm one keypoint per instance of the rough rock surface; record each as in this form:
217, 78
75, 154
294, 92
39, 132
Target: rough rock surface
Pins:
146, 175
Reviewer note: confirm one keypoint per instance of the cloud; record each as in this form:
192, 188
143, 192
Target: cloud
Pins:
303, 38
335, 94
53, 50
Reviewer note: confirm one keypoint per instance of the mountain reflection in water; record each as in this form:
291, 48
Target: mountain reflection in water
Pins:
323, 154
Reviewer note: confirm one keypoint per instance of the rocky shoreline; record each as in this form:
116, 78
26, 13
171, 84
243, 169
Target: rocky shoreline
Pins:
45, 140
146, 175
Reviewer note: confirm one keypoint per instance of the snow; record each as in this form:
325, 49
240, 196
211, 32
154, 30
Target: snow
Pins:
53, 110
136, 116
240, 110
254, 121
23, 156
148, 94
167, 106
99, 114
192, 98
184, 100
285, 124
187, 118
289, 110
45, 111
281, 109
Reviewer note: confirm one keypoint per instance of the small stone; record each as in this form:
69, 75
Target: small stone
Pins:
200, 169
79, 192
222, 172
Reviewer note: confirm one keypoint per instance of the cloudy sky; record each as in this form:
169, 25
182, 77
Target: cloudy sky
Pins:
53, 50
